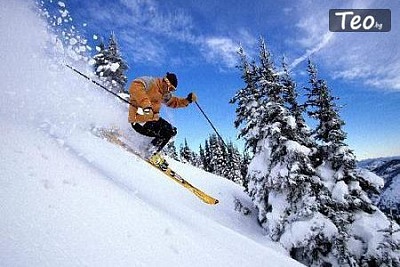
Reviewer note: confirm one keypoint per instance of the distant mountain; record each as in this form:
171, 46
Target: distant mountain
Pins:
389, 170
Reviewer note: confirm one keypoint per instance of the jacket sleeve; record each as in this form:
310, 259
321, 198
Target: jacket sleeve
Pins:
138, 94
177, 102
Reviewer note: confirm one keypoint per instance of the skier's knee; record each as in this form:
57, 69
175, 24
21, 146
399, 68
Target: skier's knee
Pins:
174, 131
170, 132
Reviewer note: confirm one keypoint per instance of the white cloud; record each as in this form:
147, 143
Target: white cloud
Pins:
372, 58
382, 76
375, 62
142, 49
145, 31
324, 41
220, 49
147, 16
312, 32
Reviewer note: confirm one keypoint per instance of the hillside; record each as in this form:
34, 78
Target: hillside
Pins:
69, 198
389, 170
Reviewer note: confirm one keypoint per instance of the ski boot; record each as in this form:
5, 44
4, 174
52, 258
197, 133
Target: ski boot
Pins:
158, 161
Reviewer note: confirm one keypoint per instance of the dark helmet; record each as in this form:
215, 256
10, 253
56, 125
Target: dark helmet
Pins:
172, 79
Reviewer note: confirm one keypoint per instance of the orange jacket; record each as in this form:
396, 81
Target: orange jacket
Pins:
150, 92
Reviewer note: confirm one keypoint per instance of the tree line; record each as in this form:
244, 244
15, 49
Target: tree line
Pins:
213, 157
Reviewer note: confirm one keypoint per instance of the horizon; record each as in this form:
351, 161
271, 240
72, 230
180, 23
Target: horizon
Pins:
199, 43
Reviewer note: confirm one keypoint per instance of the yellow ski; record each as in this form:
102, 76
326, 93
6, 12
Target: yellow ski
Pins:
113, 136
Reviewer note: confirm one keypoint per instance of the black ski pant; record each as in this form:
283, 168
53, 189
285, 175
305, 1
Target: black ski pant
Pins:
161, 130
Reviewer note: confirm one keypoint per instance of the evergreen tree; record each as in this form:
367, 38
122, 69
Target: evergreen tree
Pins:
233, 164
203, 159
282, 181
221, 160
170, 150
196, 161
348, 206
218, 156
321, 106
269, 79
290, 97
207, 158
388, 247
248, 100
186, 153
118, 66
99, 60
289, 93
334, 152
110, 67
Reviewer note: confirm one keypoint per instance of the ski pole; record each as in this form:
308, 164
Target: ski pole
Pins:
212, 125
98, 84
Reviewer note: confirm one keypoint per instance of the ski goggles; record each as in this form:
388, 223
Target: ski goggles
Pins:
170, 86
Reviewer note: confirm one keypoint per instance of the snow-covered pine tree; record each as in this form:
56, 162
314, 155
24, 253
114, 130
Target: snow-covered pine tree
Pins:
186, 153
170, 150
349, 207
221, 160
389, 244
248, 100
321, 106
110, 67
207, 158
282, 180
290, 98
196, 160
118, 65
233, 164
99, 60
218, 155
203, 159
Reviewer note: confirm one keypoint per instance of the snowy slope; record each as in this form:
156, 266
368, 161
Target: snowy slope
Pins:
372, 164
68, 198
389, 169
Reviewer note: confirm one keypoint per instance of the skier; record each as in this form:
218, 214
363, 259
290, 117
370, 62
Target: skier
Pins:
146, 96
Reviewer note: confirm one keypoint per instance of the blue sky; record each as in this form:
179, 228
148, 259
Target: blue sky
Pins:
198, 40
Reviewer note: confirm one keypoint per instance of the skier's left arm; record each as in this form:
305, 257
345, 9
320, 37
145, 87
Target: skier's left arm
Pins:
179, 102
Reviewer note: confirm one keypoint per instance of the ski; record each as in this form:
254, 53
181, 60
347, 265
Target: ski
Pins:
113, 136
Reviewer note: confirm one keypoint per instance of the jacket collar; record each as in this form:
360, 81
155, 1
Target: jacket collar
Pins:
159, 84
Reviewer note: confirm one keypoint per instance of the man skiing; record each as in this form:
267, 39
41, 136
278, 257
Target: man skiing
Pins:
146, 96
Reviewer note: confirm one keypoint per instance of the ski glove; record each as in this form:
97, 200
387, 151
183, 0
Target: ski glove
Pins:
191, 97
148, 111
